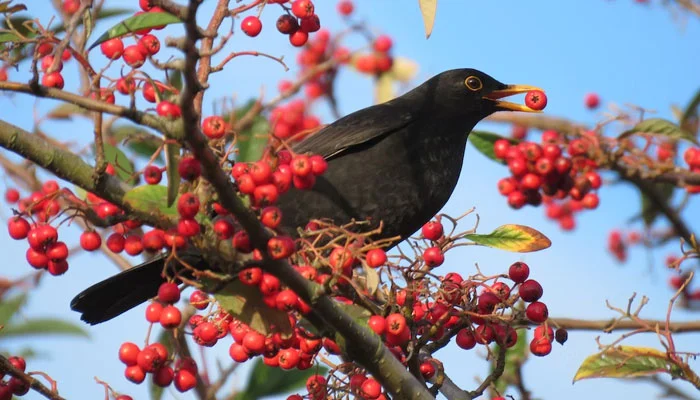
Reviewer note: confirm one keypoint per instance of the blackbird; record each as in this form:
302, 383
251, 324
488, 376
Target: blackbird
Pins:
396, 162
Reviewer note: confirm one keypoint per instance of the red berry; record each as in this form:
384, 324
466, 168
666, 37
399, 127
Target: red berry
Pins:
251, 25
500, 148
168, 293
168, 110
377, 323
395, 323
517, 200
189, 168
530, 290
238, 353
465, 339
90, 240
371, 389
163, 376
376, 258
540, 347
184, 380
345, 7
150, 43
250, 276
427, 369
537, 312
57, 251
519, 272
135, 374
254, 342
280, 247
310, 24
112, 48
170, 317
149, 360
592, 100
286, 24
153, 312
18, 228
188, 205
53, 79
302, 8
433, 257
152, 175
382, 44
432, 230
536, 100
298, 38
133, 56
214, 127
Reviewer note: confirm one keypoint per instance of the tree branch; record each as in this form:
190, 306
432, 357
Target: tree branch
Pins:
7, 368
72, 168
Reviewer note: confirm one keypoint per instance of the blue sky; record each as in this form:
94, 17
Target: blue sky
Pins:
626, 52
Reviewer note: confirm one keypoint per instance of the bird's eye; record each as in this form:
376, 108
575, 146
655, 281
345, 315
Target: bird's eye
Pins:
473, 83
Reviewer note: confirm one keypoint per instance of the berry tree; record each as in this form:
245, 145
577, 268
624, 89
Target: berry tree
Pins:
330, 314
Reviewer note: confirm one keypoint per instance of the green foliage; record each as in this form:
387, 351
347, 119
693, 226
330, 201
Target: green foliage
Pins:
136, 23
659, 127
246, 304
43, 326
511, 237
251, 142
9, 307
483, 142
649, 211
626, 362
267, 381
122, 165
148, 198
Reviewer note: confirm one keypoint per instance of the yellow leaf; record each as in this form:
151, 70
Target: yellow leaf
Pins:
625, 362
517, 238
403, 69
428, 9
384, 89
246, 304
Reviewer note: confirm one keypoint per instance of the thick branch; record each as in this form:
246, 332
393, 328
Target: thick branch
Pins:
35, 384
87, 103
72, 168
361, 343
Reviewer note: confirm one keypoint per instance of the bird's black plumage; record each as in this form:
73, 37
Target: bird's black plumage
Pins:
396, 162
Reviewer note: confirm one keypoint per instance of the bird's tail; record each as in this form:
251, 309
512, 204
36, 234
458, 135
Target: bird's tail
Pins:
120, 293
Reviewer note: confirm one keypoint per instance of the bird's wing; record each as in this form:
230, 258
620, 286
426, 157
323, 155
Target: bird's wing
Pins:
355, 129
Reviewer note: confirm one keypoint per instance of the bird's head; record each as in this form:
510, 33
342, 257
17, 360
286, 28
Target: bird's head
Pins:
467, 91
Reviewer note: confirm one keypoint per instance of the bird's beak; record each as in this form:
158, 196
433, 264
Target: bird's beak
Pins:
510, 90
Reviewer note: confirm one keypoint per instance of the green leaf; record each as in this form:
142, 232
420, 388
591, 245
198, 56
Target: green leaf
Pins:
137, 139
483, 142
691, 110
252, 141
660, 127
172, 160
246, 304
267, 381
6, 37
88, 23
6, 8
122, 165
511, 237
136, 23
515, 357
43, 326
9, 307
148, 198
428, 8
625, 362
67, 111
649, 211
175, 79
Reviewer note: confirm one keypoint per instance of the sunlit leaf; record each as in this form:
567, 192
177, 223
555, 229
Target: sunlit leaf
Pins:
252, 141
9, 307
483, 142
122, 165
403, 69
511, 237
246, 304
6, 8
150, 198
43, 326
625, 362
372, 280
384, 89
428, 8
6, 37
67, 111
660, 127
649, 210
691, 110
172, 159
136, 23
268, 381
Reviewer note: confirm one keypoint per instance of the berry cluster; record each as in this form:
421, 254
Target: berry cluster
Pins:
692, 158
542, 172
297, 24
155, 360
12, 386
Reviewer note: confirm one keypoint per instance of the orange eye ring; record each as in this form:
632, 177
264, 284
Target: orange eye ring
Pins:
473, 83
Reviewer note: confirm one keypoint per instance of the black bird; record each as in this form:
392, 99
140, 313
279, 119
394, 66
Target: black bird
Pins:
396, 162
